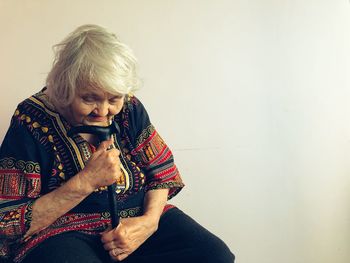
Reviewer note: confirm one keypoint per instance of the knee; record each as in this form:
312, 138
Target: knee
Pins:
221, 254
217, 251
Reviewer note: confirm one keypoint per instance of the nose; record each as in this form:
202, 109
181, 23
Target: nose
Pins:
101, 109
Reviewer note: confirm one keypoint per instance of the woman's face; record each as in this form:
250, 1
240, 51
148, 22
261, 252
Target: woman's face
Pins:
94, 107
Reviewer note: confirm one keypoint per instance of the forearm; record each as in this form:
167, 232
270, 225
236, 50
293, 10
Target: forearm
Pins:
48, 208
154, 203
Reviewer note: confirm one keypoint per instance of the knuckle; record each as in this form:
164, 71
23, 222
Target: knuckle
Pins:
112, 153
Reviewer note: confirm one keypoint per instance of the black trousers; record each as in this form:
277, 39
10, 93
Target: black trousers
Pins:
179, 239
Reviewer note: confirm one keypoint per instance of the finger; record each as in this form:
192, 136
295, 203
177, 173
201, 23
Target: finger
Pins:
113, 255
108, 235
118, 254
105, 144
109, 246
115, 252
122, 256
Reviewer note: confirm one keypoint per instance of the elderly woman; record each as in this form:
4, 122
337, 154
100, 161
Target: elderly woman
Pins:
53, 198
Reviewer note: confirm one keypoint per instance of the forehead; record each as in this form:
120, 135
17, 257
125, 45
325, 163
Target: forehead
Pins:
95, 91
91, 90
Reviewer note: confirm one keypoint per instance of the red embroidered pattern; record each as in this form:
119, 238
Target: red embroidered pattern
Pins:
19, 179
157, 159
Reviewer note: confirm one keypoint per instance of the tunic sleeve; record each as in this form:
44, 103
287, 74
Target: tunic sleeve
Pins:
20, 182
156, 159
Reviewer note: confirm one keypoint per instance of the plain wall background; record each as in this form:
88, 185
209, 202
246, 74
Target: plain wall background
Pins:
252, 96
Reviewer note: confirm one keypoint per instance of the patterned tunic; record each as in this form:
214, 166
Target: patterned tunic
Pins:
37, 157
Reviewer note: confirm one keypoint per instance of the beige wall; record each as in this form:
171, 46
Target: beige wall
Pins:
252, 96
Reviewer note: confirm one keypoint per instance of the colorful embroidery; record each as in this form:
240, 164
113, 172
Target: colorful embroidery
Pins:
157, 160
19, 179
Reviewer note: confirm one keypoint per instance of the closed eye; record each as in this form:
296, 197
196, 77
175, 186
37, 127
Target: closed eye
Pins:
89, 98
115, 99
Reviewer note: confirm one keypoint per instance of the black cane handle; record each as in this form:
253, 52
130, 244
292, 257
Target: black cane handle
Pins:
103, 133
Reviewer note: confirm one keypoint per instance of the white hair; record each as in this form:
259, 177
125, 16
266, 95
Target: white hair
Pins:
91, 56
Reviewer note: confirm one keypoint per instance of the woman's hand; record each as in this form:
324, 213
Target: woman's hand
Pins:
103, 168
128, 236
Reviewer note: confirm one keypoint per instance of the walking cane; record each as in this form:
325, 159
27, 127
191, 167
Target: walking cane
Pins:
103, 134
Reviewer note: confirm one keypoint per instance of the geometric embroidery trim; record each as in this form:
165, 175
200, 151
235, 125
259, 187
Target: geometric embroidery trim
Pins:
24, 166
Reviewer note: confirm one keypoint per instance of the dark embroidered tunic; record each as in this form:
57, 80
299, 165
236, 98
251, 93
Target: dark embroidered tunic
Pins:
37, 157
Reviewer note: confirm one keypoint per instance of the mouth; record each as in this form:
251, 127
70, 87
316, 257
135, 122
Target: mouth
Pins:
105, 120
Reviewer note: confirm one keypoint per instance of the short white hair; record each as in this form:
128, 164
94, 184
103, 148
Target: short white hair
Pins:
88, 57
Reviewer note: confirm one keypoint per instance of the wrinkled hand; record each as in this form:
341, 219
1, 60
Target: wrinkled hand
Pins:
103, 167
131, 233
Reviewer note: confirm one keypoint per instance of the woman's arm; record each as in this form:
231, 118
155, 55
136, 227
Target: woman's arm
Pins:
154, 203
51, 206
